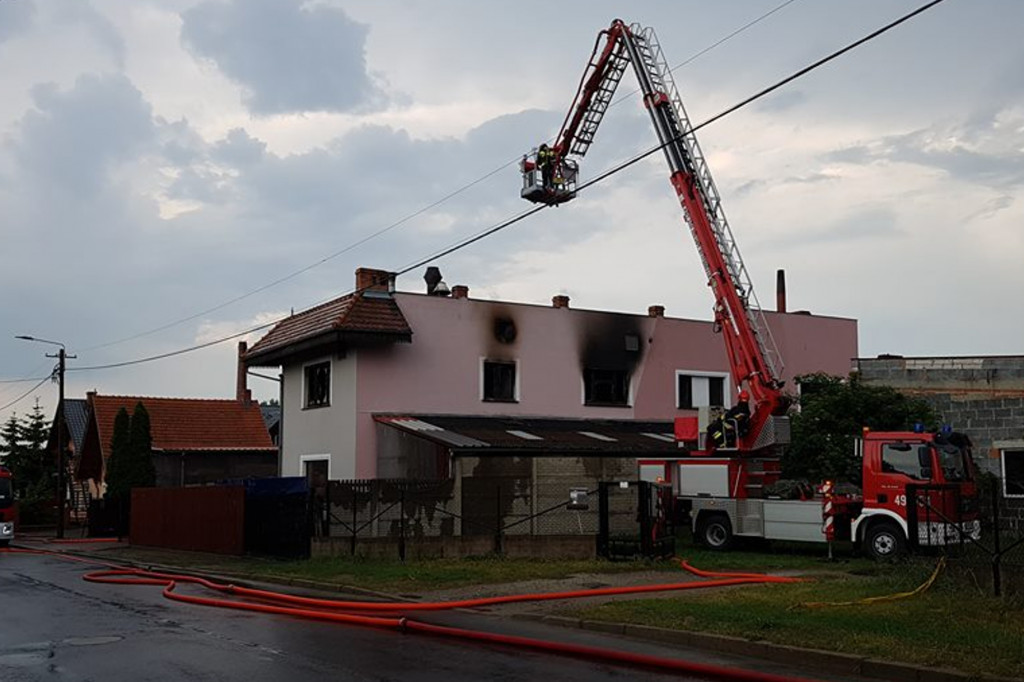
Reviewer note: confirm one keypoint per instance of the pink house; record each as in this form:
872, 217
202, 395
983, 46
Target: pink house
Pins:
359, 367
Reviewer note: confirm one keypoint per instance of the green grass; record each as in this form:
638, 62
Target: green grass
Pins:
948, 626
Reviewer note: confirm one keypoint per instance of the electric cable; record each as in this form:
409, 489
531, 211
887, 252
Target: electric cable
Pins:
586, 185
416, 213
25, 394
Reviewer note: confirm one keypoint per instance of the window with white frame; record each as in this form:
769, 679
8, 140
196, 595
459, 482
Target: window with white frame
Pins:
499, 381
695, 389
317, 380
1013, 473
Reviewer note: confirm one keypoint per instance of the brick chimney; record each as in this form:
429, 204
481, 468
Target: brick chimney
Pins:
560, 301
368, 279
656, 311
460, 291
242, 392
780, 291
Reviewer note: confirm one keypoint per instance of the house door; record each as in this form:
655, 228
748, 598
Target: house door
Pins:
316, 476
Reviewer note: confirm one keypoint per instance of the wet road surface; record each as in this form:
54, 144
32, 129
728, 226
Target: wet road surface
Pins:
54, 626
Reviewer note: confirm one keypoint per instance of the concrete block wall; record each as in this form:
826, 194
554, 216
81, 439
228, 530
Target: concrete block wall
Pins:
982, 397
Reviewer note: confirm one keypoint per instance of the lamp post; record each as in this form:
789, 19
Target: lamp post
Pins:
61, 359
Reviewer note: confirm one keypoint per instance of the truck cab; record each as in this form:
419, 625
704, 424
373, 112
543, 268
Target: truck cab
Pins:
6, 508
916, 486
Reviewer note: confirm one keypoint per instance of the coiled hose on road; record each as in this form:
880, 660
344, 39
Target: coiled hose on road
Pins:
390, 615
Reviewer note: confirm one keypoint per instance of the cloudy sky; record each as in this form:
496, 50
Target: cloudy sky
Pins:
162, 158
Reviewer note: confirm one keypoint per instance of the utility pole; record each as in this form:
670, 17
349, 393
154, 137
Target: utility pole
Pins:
62, 357
61, 492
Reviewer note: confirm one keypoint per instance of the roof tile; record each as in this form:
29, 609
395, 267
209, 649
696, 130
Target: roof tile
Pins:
188, 424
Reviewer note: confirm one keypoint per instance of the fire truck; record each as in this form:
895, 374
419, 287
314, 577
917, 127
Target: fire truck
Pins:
913, 482
6, 507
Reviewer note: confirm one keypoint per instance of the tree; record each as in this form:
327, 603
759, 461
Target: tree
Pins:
140, 443
131, 454
12, 449
118, 475
833, 412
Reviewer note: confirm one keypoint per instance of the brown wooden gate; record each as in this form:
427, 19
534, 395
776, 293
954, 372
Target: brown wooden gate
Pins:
200, 519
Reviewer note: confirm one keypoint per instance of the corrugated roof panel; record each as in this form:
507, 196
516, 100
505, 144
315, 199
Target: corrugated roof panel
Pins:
597, 436
523, 434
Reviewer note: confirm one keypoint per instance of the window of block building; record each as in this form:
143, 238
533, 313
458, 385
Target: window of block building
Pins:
499, 381
605, 387
318, 384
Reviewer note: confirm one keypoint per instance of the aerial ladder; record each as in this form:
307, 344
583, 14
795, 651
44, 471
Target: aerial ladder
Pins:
550, 176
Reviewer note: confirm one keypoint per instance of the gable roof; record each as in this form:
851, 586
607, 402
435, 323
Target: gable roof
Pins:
76, 415
368, 314
187, 424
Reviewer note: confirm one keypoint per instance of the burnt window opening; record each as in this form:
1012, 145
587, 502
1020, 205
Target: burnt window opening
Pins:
505, 330
695, 391
499, 381
318, 385
606, 387
632, 343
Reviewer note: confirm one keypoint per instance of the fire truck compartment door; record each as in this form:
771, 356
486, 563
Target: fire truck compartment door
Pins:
797, 520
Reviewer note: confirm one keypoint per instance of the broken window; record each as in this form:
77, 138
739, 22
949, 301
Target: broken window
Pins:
605, 386
500, 381
694, 391
318, 384
1013, 473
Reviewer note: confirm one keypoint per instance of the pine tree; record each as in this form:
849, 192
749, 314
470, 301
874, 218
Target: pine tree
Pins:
12, 449
141, 448
118, 476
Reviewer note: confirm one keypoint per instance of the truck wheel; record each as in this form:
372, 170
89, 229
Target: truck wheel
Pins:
715, 532
885, 541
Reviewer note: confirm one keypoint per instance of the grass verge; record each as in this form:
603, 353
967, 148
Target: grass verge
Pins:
948, 626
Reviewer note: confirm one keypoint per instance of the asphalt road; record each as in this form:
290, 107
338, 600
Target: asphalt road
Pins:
56, 626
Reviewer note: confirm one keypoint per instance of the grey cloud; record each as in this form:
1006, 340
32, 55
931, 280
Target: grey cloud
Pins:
782, 101
71, 139
15, 17
102, 29
289, 56
873, 222
979, 150
239, 149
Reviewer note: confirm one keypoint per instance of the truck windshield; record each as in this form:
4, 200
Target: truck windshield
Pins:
951, 459
6, 499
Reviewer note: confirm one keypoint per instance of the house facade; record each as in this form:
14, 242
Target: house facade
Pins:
352, 363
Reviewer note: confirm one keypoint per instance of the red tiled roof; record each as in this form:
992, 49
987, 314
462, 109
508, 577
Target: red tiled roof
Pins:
359, 313
187, 424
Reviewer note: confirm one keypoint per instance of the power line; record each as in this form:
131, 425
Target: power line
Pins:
25, 394
600, 178
414, 214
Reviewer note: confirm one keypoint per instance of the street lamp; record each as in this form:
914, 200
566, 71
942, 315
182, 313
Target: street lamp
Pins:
61, 492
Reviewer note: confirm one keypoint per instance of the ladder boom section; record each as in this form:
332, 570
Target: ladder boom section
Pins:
752, 352
600, 80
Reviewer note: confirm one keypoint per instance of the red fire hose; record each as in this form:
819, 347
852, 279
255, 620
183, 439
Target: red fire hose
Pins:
264, 601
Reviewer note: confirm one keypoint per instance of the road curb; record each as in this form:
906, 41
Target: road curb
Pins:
829, 661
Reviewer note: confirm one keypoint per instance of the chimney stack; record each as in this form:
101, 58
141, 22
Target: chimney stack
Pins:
460, 291
242, 392
368, 279
560, 301
656, 311
780, 291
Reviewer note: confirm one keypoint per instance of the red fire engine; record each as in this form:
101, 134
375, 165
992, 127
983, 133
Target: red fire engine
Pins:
6, 507
730, 459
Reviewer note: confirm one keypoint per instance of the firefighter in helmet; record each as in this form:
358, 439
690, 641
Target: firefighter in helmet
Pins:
546, 163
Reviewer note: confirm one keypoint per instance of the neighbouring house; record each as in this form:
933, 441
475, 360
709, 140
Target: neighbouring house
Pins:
980, 396
382, 383
195, 440
76, 418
